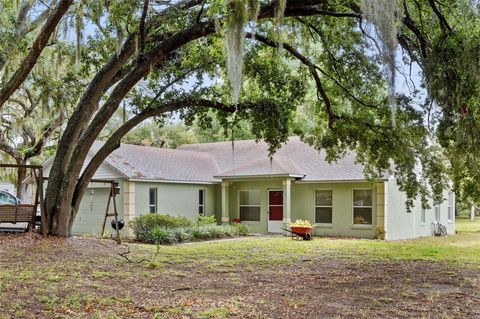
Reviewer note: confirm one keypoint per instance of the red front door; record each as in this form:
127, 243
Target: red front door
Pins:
275, 205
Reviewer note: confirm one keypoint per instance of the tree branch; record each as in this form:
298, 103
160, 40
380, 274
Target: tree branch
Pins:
443, 22
321, 94
142, 26
114, 141
38, 45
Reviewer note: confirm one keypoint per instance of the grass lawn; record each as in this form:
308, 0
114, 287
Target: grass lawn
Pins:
255, 277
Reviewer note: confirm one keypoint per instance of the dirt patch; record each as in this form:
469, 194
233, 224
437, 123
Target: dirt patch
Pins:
86, 278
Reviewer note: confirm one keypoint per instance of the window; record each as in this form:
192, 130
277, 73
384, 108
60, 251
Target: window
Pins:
422, 215
450, 206
250, 205
362, 206
437, 213
152, 200
6, 198
323, 206
201, 201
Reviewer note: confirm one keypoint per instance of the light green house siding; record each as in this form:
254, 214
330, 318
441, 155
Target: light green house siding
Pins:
263, 187
175, 198
92, 210
303, 205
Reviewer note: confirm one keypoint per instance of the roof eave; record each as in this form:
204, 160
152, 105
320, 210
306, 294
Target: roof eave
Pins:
338, 181
172, 181
254, 176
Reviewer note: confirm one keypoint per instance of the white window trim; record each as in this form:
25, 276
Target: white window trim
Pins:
259, 205
435, 213
156, 200
423, 216
353, 208
450, 212
326, 225
204, 205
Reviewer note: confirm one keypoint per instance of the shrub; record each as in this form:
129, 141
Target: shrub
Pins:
144, 225
160, 235
240, 229
380, 233
182, 234
206, 220
157, 233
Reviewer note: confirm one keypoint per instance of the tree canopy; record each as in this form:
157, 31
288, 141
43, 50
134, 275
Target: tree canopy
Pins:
259, 62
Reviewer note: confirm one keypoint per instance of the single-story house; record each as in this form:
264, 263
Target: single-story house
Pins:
241, 182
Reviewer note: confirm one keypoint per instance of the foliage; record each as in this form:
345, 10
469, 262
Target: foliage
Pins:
205, 220
166, 235
301, 223
380, 233
144, 225
160, 235
172, 58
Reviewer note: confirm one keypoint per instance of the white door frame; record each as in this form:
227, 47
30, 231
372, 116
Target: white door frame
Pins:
274, 226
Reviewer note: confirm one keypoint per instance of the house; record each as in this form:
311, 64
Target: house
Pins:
241, 182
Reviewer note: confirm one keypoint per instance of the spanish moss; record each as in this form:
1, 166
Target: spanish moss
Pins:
386, 16
235, 42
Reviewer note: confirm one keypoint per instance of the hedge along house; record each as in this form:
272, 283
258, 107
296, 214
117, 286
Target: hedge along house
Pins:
244, 184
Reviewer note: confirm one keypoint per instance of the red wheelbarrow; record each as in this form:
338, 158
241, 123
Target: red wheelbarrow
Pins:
298, 232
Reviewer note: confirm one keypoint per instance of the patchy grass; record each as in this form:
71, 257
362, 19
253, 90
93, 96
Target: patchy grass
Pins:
465, 225
256, 277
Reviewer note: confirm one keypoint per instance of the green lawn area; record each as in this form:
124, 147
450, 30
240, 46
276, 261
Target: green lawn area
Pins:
254, 277
465, 225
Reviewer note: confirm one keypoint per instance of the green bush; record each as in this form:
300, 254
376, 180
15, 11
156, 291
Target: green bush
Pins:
206, 220
144, 225
160, 235
240, 229
182, 234
164, 229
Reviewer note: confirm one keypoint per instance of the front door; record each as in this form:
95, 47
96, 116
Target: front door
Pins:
275, 211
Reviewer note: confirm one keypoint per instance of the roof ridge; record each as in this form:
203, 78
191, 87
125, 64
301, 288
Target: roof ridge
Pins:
290, 161
242, 166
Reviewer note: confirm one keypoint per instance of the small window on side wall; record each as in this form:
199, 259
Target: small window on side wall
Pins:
250, 205
362, 207
201, 202
450, 206
152, 200
323, 206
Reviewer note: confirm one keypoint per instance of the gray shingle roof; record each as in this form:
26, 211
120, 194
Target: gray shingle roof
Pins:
304, 159
279, 165
151, 163
209, 162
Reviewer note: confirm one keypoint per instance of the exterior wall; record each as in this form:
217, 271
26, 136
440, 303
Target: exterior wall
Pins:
92, 210
303, 207
175, 198
263, 186
402, 224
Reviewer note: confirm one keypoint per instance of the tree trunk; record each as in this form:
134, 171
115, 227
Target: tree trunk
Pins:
21, 175
83, 127
472, 213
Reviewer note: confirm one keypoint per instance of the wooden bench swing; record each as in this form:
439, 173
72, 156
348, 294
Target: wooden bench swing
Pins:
24, 213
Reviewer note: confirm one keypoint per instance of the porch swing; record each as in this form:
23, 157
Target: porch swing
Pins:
20, 212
